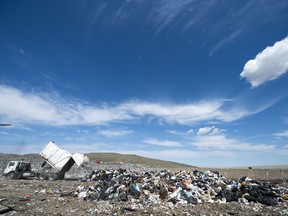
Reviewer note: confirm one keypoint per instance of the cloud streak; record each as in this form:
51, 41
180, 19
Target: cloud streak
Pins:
268, 65
189, 17
281, 134
17, 106
165, 14
115, 133
221, 142
167, 143
214, 139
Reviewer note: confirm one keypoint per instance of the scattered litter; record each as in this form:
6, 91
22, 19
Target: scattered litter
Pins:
178, 188
126, 192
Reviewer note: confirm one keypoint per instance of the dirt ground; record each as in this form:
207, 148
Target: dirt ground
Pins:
34, 197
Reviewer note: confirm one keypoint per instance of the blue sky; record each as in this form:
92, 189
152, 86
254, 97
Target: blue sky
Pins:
192, 81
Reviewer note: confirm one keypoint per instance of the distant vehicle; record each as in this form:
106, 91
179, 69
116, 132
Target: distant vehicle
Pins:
99, 162
57, 162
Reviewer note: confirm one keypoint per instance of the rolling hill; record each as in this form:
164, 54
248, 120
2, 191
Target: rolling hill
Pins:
107, 158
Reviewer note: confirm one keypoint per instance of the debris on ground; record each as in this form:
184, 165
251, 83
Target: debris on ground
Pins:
125, 192
178, 188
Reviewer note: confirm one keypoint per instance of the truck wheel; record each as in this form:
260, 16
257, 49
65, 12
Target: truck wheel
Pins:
11, 175
53, 177
43, 176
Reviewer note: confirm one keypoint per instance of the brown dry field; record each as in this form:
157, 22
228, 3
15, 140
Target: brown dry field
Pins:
277, 175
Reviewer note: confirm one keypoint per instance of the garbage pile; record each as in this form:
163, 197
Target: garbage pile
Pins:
177, 188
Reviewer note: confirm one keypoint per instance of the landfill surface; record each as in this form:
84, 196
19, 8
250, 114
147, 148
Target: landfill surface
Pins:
126, 192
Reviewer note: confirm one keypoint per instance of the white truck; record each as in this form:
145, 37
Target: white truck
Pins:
57, 162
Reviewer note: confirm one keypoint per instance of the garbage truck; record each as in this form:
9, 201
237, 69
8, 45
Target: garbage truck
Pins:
57, 161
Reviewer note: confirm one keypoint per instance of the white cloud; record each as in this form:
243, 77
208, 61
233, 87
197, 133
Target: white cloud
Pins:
209, 130
27, 108
115, 133
184, 114
175, 132
223, 143
282, 134
50, 109
15, 104
268, 65
157, 142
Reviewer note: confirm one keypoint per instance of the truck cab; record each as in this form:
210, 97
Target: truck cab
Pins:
16, 169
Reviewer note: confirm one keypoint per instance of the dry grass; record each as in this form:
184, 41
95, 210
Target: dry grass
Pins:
135, 159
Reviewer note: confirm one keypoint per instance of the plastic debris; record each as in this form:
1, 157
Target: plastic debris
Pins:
178, 188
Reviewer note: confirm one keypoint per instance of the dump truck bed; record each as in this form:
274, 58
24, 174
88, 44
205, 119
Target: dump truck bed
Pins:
58, 158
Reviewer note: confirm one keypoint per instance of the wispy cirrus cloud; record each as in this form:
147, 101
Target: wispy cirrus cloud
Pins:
281, 134
167, 143
165, 14
214, 138
226, 40
179, 133
115, 133
51, 109
176, 113
223, 143
268, 65
94, 16
187, 17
